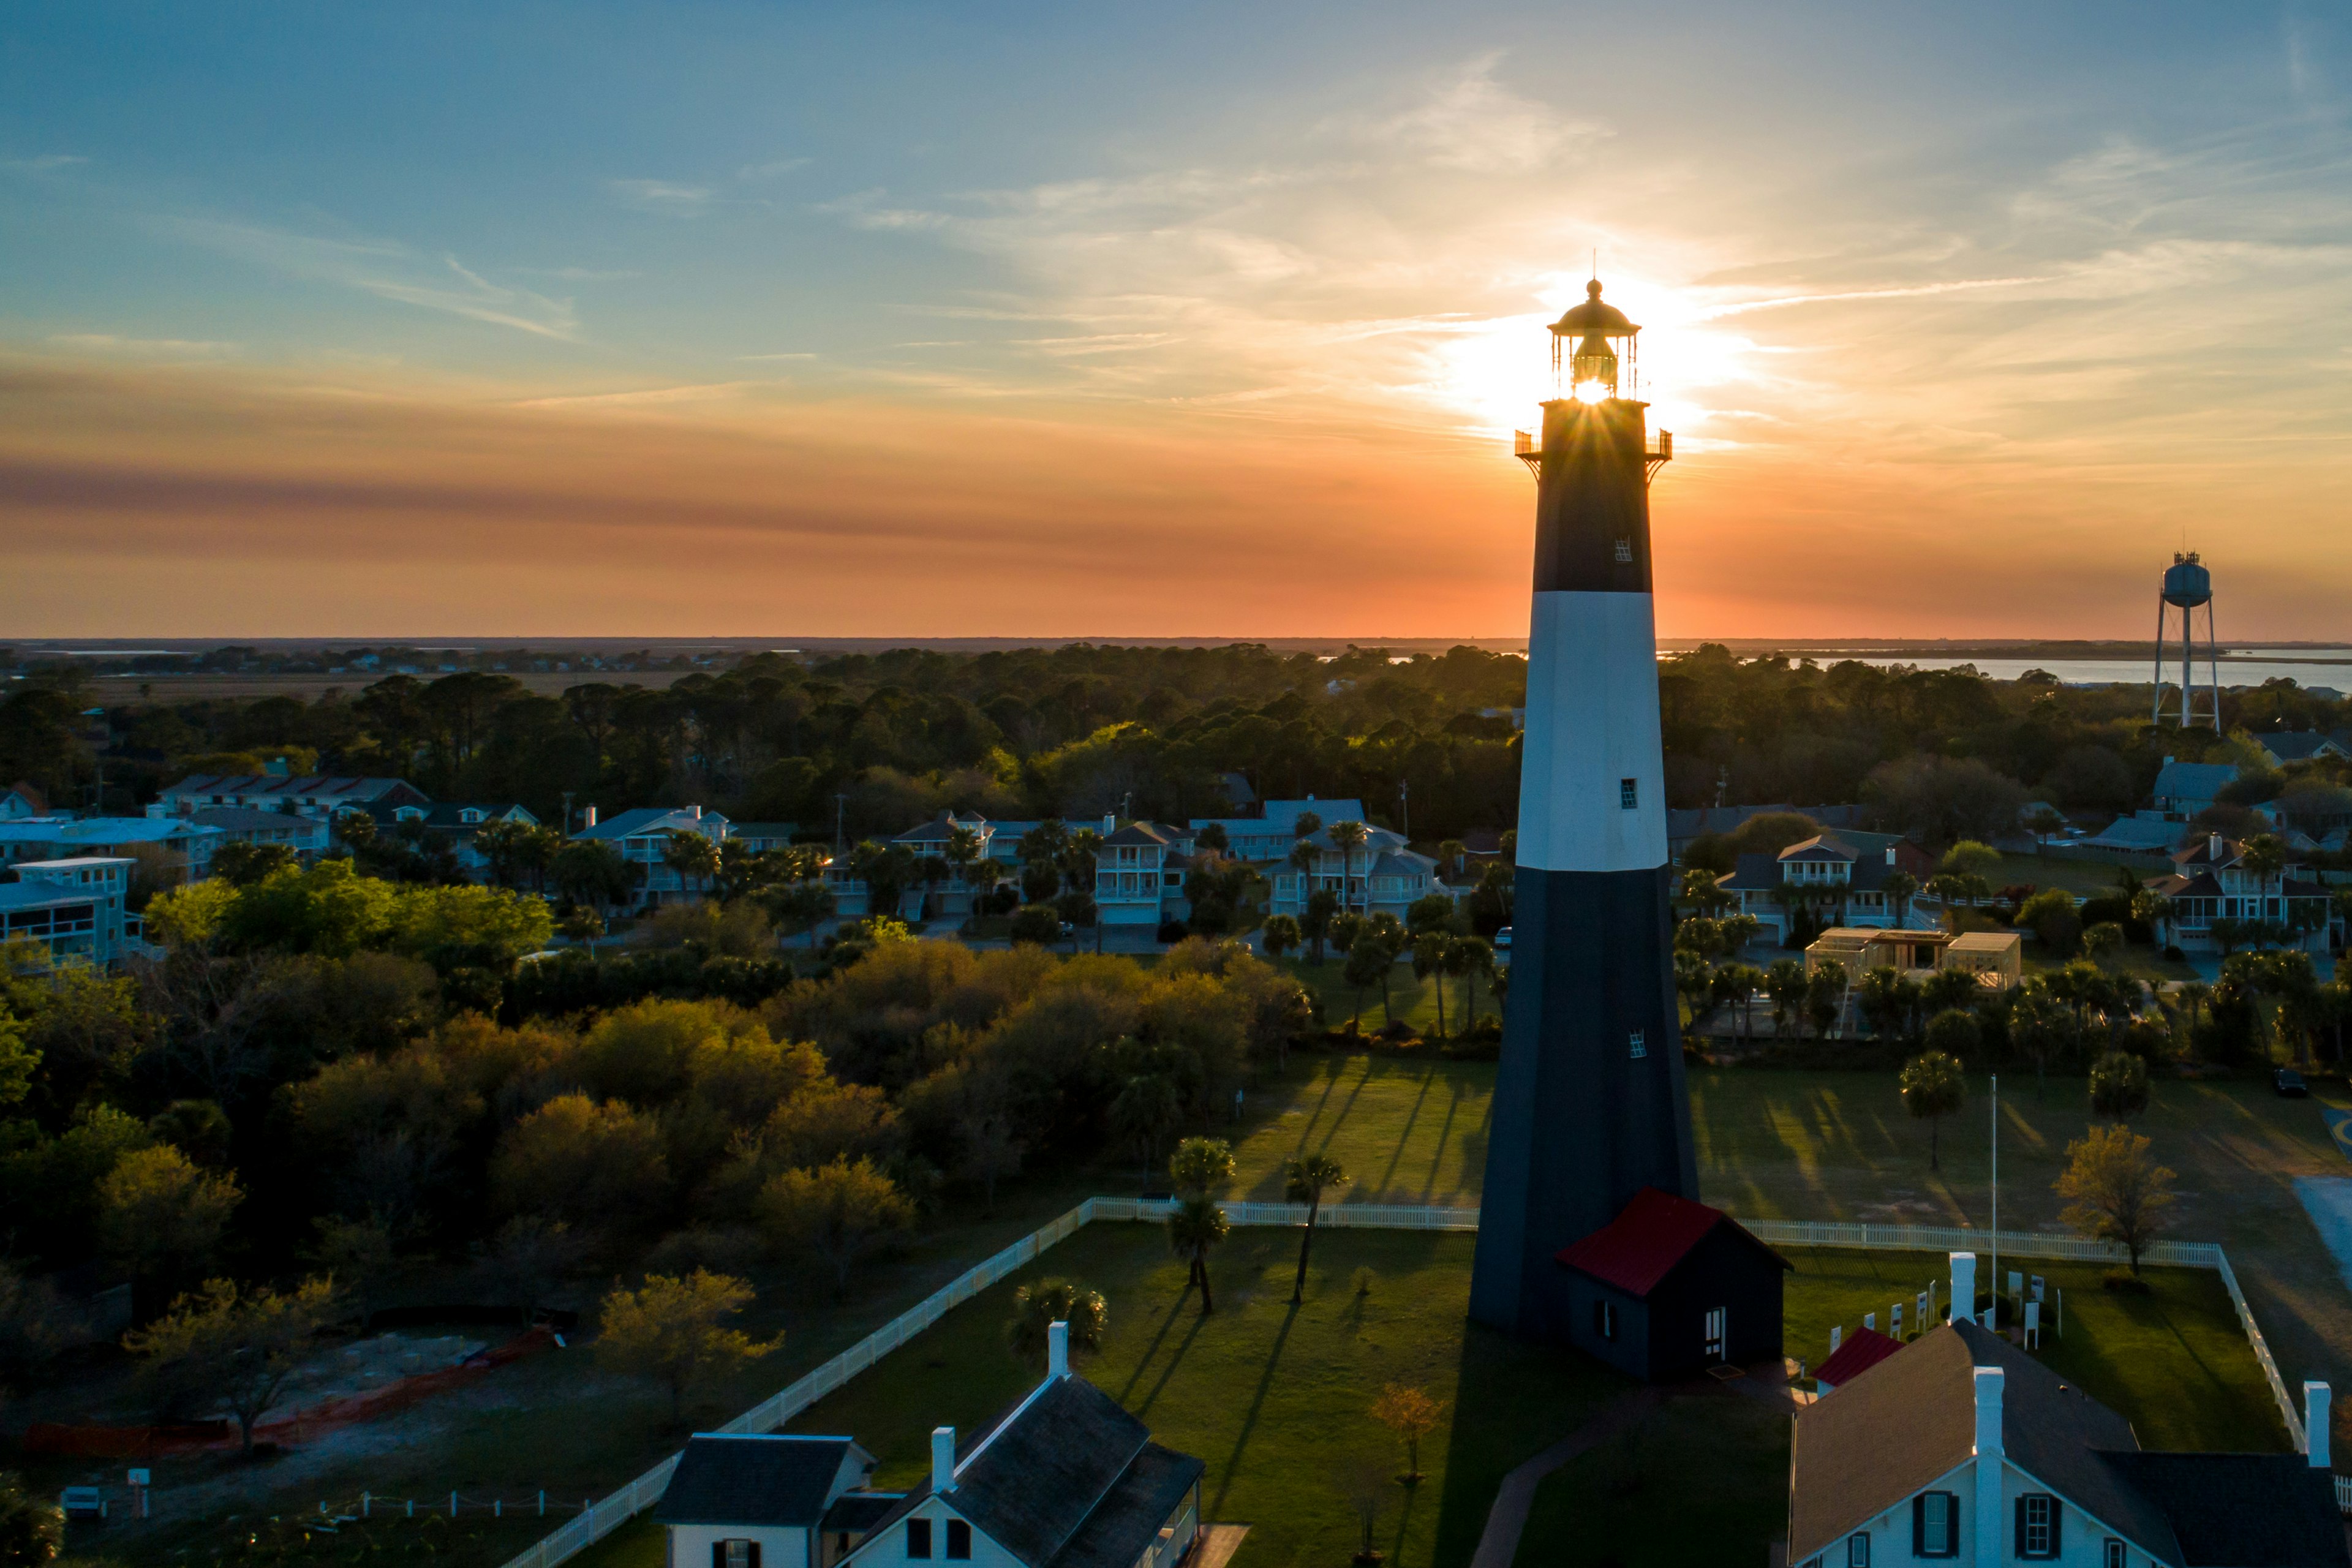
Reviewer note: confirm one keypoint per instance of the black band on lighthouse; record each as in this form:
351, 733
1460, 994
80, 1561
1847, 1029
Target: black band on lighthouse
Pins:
1593, 499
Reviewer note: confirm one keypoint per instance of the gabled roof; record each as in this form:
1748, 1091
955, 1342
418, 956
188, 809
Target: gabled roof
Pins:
1065, 1479
650, 819
249, 819
942, 829
336, 787
2228, 1511
99, 832
1649, 1235
1862, 1350
1402, 863
2137, 833
2298, 745
1911, 1419
1144, 833
725, 1478
2193, 781
1821, 846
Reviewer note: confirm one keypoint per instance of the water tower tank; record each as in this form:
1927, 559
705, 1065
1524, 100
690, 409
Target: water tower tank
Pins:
2187, 582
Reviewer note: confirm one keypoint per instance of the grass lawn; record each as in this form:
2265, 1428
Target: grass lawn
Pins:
1274, 1398
1639, 1496
1410, 998
1406, 1132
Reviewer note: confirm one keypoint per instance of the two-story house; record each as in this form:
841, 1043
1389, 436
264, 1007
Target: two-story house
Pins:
1066, 1478
2184, 789
1836, 878
312, 795
2210, 881
186, 848
1269, 834
307, 836
1962, 1448
452, 823
1380, 875
1140, 873
643, 834
75, 907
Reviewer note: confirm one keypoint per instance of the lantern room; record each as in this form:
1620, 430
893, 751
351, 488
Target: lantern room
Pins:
1600, 349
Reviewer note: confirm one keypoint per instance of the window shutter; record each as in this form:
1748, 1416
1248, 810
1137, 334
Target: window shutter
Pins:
755, 1554
2020, 1549
1919, 1544
718, 1554
2057, 1519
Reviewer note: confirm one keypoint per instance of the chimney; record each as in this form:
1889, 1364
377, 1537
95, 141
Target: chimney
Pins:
695, 812
588, 816
2315, 1396
1111, 824
1964, 1285
1988, 1532
1057, 1356
944, 1459
2214, 848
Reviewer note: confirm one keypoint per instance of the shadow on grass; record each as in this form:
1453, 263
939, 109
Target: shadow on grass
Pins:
1512, 1400
1257, 1403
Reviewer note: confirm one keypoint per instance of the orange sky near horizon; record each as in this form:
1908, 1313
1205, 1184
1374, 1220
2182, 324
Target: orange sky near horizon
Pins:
1069, 324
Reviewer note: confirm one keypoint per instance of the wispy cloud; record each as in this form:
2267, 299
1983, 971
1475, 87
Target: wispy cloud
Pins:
646, 396
749, 357
665, 196
771, 169
44, 163
108, 342
385, 268
578, 274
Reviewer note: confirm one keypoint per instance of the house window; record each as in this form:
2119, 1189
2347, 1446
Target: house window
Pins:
1625, 552
2037, 1525
734, 1554
2115, 1554
918, 1538
1604, 1318
1857, 1549
1935, 1524
959, 1541
1637, 1044
1629, 794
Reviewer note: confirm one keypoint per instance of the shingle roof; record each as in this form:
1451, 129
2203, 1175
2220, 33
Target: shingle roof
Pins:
1064, 1479
1649, 1235
1130, 1514
2241, 1510
858, 1512
1912, 1419
649, 819
2294, 746
723, 1478
2193, 781
341, 788
2137, 833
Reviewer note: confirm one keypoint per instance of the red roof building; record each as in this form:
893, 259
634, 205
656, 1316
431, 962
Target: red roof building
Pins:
1855, 1356
1672, 1286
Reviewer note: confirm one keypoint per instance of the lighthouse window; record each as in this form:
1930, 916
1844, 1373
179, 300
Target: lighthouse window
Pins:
1629, 794
1625, 550
1638, 1044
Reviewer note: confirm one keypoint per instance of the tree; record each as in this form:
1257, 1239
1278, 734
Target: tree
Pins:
2040, 1026
1037, 1308
1899, 887
1785, 983
1305, 1181
2051, 915
1466, 960
32, 1529
839, 1211
673, 1332
1280, 934
2103, 939
355, 1254
1432, 952
1411, 1415
1453, 852
2041, 821
1322, 909
694, 857
2118, 1085
235, 1347
1348, 837
1955, 1032
1933, 1089
590, 871
162, 1216
574, 1160
1199, 1166
2114, 1190
1197, 1226
1825, 994
242, 865
1143, 1113
1039, 924
797, 909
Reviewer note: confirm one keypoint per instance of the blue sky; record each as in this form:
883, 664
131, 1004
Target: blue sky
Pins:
955, 318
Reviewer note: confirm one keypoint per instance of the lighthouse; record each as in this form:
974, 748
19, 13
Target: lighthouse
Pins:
1590, 1107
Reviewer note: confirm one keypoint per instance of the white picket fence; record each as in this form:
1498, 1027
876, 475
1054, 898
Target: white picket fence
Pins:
608, 1514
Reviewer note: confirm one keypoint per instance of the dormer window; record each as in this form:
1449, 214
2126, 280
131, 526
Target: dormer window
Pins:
472, 814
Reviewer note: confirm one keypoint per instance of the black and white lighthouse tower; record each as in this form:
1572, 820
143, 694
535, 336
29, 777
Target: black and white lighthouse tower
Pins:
1589, 1106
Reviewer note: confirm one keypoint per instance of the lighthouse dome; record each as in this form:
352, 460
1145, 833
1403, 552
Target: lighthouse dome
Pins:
1592, 316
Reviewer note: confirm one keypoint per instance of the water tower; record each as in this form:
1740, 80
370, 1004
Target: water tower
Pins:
2188, 587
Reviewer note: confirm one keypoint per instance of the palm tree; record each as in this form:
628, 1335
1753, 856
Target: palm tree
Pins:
694, 857
1197, 1226
1432, 951
1348, 837
2265, 856
1454, 850
1305, 1180
1303, 857
1473, 956
1322, 908
1898, 887
1785, 983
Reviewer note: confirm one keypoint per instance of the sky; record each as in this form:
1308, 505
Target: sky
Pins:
1123, 321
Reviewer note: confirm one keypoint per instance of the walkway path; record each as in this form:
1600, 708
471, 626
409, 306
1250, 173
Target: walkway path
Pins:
1499, 1543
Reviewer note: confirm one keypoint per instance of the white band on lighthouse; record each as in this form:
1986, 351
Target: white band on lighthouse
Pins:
1592, 675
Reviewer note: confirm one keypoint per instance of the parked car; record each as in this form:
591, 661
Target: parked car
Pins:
2289, 1084
1503, 940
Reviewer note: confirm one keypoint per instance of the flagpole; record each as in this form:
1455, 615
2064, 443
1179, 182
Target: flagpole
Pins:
1995, 1281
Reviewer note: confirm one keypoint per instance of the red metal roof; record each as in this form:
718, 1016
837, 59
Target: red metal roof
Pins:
1864, 1349
1641, 1247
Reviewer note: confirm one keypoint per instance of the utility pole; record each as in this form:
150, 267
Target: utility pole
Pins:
840, 817
1996, 1206
567, 813
1404, 801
